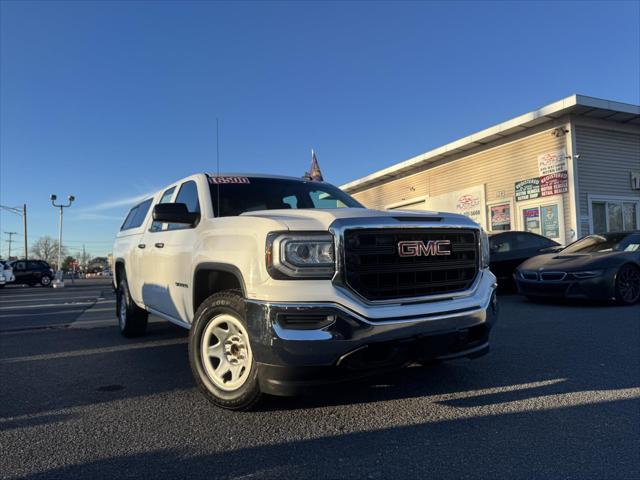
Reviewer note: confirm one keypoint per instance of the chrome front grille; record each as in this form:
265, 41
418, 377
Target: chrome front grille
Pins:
374, 268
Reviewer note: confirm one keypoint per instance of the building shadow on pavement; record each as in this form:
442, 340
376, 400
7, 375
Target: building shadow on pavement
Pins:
523, 445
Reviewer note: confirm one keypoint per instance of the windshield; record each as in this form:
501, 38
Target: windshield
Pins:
247, 194
609, 242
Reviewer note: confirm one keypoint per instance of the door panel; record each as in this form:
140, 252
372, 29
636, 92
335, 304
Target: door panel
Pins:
169, 255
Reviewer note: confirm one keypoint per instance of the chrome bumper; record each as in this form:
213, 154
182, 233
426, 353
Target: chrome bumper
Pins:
274, 343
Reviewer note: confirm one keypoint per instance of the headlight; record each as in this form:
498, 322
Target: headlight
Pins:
300, 255
587, 274
484, 249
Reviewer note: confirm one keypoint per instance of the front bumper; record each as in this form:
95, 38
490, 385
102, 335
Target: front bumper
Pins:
292, 361
601, 287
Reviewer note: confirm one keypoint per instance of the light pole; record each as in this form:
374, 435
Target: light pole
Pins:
59, 280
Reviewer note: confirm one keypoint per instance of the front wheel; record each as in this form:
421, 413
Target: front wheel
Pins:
628, 285
45, 281
220, 352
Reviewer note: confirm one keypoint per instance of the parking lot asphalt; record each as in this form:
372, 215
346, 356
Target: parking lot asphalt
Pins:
557, 397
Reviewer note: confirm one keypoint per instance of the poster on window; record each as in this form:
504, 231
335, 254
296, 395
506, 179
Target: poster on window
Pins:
501, 217
554, 184
527, 189
550, 224
531, 218
469, 202
552, 162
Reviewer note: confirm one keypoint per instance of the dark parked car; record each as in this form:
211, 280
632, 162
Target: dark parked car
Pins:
510, 249
604, 266
32, 272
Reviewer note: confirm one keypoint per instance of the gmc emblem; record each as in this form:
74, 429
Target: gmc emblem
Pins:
417, 248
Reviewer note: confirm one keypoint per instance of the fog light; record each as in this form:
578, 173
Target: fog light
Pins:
305, 322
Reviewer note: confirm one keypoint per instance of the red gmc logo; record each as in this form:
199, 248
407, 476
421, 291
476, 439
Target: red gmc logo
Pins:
417, 248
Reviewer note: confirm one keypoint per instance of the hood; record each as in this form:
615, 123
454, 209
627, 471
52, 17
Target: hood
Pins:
574, 261
321, 219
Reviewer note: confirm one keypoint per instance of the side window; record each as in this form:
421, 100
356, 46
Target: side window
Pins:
166, 198
136, 215
33, 265
529, 241
188, 194
501, 243
20, 266
127, 221
141, 213
631, 243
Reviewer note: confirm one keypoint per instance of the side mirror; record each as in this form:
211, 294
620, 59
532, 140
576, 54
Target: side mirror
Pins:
552, 249
174, 213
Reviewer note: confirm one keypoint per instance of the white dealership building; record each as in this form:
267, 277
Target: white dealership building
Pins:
565, 170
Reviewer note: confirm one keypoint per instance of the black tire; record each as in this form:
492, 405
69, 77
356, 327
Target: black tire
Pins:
247, 395
2, 285
132, 320
627, 286
45, 281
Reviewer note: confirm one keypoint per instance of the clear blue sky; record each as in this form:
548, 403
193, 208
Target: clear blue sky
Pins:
109, 100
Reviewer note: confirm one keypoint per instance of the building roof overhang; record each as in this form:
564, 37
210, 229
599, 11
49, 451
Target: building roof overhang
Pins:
581, 105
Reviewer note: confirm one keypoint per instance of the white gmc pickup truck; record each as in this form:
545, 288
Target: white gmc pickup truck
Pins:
287, 284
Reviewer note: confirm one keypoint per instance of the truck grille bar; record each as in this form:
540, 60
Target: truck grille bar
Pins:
374, 269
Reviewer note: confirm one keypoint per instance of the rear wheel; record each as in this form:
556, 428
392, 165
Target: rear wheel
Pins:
628, 285
220, 352
132, 320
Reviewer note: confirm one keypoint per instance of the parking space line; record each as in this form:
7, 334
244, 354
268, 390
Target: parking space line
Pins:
3, 301
58, 312
54, 305
94, 351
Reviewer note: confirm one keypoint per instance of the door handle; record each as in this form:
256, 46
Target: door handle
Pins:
141, 245
159, 245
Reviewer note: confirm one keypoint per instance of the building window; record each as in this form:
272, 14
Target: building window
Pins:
614, 215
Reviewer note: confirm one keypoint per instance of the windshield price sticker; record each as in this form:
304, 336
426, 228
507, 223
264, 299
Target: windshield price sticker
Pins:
221, 180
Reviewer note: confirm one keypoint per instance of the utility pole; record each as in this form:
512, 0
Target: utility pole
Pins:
11, 234
59, 281
21, 213
24, 221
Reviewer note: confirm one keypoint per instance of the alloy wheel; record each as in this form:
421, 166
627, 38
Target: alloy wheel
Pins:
629, 284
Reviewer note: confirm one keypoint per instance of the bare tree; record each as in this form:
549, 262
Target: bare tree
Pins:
46, 248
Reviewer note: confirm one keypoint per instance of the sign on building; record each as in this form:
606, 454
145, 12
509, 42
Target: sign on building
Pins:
554, 184
500, 216
527, 189
552, 162
550, 223
469, 202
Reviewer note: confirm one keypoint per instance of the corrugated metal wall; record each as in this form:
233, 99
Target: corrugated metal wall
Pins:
498, 168
604, 167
